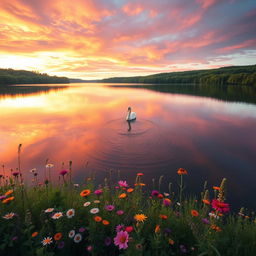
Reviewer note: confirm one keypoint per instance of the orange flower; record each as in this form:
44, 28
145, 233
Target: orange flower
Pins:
194, 213
163, 217
34, 234
216, 228
171, 242
216, 188
105, 222
57, 236
157, 229
140, 217
140, 174
97, 218
129, 190
7, 200
140, 184
123, 195
160, 196
182, 171
9, 192
205, 201
85, 192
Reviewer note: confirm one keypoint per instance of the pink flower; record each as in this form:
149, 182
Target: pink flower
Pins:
110, 207
122, 183
98, 192
121, 240
63, 172
119, 228
129, 229
120, 212
154, 193
167, 202
220, 206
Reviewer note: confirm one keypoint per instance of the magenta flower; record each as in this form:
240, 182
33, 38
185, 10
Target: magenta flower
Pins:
220, 206
3, 197
121, 240
81, 230
205, 221
154, 193
166, 202
122, 183
119, 228
120, 212
108, 241
63, 172
98, 192
15, 174
110, 207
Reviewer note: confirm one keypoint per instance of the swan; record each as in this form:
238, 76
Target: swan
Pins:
130, 115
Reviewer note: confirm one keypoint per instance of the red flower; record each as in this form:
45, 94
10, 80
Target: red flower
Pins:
220, 206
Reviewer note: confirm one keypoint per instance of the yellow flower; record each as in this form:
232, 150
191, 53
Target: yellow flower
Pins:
140, 217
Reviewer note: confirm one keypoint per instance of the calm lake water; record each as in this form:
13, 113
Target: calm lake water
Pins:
211, 137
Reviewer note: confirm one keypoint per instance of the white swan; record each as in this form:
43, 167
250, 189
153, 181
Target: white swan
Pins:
130, 115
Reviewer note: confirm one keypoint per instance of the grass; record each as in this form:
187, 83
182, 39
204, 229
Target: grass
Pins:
167, 224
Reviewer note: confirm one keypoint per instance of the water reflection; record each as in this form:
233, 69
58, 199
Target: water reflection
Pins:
211, 138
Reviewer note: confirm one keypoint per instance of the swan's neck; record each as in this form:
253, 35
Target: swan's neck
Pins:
129, 113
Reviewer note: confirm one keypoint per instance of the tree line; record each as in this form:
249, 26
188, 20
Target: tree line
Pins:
234, 75
11, 76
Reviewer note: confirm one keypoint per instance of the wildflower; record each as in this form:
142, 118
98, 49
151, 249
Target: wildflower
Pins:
154, 193
105, 222
122, 183
182, 171
140, 217
205, 221
14, 238
129, 190
70, 213
167, 202
166, 194
123, 195
220, 206
216, 188
205, 201
85, 192
194, 213
163, 217
9, 216
63, 172
171, 242
121, 240
96, 201
120, 212
46, 241
89, 248
57, 236
129, 229
76, 185
97, 218
119, 227
183, 249
140, 174
15, 174
57, 215
216, 228
157, 229
108, 241
34, 234
9, 192
49, 210
87, 204
140, 184
78, 238
213, 215
139, 247
94, 210
8, 200
98, 192
61, 244
110, 207
81, 230
49, 166
3, 197
160, 196
71, 233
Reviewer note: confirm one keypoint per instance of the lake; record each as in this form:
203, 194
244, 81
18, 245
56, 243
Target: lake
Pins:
210, 132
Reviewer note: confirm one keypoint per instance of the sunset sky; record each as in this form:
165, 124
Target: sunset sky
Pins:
94, 39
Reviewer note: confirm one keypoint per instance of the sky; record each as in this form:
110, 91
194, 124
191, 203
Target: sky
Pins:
93, 39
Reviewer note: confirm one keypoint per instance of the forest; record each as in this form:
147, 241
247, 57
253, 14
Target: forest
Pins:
233, 75
10, 76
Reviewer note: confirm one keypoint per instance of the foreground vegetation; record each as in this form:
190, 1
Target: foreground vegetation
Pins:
10, 76
117, 218
234, 75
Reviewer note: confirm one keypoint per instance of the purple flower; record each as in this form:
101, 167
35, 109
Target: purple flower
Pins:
205, 221
3, 197
109, 207
122, 183
108, 241
63, 172
154, 193
167, 231
98, 192
120, 212
61, 244
119, 227
82, 229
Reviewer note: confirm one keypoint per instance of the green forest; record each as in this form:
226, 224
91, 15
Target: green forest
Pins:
234, 75
10, 76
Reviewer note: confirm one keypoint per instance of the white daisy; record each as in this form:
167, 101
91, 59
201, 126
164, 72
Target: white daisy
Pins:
71, 233
47, 240
9, 216
49, 210
78, 238
87, 204
57, 215
70, 213
94, 210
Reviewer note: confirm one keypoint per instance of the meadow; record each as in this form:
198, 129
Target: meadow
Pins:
117, 218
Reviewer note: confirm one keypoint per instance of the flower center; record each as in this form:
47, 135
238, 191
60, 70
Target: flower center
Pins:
122, 239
